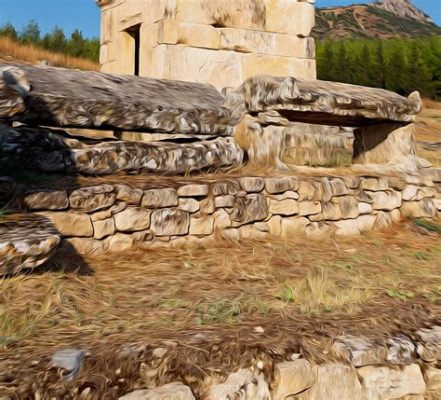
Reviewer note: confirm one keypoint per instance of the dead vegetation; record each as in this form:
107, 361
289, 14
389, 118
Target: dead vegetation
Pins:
13, 51
267, 299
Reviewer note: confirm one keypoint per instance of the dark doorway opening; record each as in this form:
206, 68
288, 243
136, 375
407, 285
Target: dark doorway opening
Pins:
134, 32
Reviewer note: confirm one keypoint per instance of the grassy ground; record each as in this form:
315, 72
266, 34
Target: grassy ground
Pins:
269, 297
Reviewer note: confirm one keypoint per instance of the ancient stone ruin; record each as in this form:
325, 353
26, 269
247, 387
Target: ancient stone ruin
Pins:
208, 164
208, 41
144, 162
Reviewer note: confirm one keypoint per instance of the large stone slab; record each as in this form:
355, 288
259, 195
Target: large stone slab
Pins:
330, 103
26, 242
54, 151
67, 97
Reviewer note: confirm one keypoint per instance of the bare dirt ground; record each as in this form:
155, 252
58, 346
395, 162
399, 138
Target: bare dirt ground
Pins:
221, 307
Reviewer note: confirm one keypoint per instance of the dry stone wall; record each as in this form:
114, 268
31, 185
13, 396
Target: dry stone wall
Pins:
109, 217
357, 368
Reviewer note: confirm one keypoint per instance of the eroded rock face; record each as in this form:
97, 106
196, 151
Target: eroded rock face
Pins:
26, 242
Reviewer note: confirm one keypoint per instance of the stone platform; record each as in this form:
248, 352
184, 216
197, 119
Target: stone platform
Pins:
141, 212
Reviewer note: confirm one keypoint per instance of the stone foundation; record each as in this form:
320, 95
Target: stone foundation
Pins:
118, 217
354, 368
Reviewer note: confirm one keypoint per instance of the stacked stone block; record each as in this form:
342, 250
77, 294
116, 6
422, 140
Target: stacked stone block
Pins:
119, 217
210, 41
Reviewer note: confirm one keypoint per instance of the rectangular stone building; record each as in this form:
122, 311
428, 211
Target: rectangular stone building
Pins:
222, 42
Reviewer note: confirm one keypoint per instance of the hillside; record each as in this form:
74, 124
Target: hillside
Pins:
383, 19
13, 51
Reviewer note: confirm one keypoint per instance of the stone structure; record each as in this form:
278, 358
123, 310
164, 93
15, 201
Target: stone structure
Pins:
267, 124
353, 368
221, 42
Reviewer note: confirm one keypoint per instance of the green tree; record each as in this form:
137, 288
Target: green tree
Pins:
9, 31
31, 33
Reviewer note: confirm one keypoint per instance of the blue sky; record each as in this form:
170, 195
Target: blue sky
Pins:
84, 14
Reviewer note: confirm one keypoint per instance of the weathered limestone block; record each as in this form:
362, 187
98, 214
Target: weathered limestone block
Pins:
252, 184
433, 378
189, 205
93, 198
190, 34
193, 190
283, 207
335, 381
47, 200
374, 184
418, 209
129, 195
242, 385
54, 151
387, 383
292, 227
168, 222
429, 346
333, 103
26, 242
104, 228
67, 97
251, 208
280, 185
225, 187
202, 226
386, 144
132, 219
263, 145
159, 198
222, 68
387, 200
87, 246
281, 14
384, 219
170, 391
109, 212
341, 208
224, 201
291, 378
254, 64
222, 219
309, 207
249, 41
365, 208
240, 14
359, 351
319, 230
353, 227
70, 223
400, 350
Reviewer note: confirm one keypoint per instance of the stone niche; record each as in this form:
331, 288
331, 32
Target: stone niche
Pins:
221, 42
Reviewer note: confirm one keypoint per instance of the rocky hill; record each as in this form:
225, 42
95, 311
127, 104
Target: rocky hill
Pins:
383, 19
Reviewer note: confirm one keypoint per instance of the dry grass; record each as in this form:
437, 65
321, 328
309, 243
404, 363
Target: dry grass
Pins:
210, 301
13, 51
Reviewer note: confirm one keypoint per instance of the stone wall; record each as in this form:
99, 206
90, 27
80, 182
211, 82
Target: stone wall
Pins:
354, 368
210, 41
118, 217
